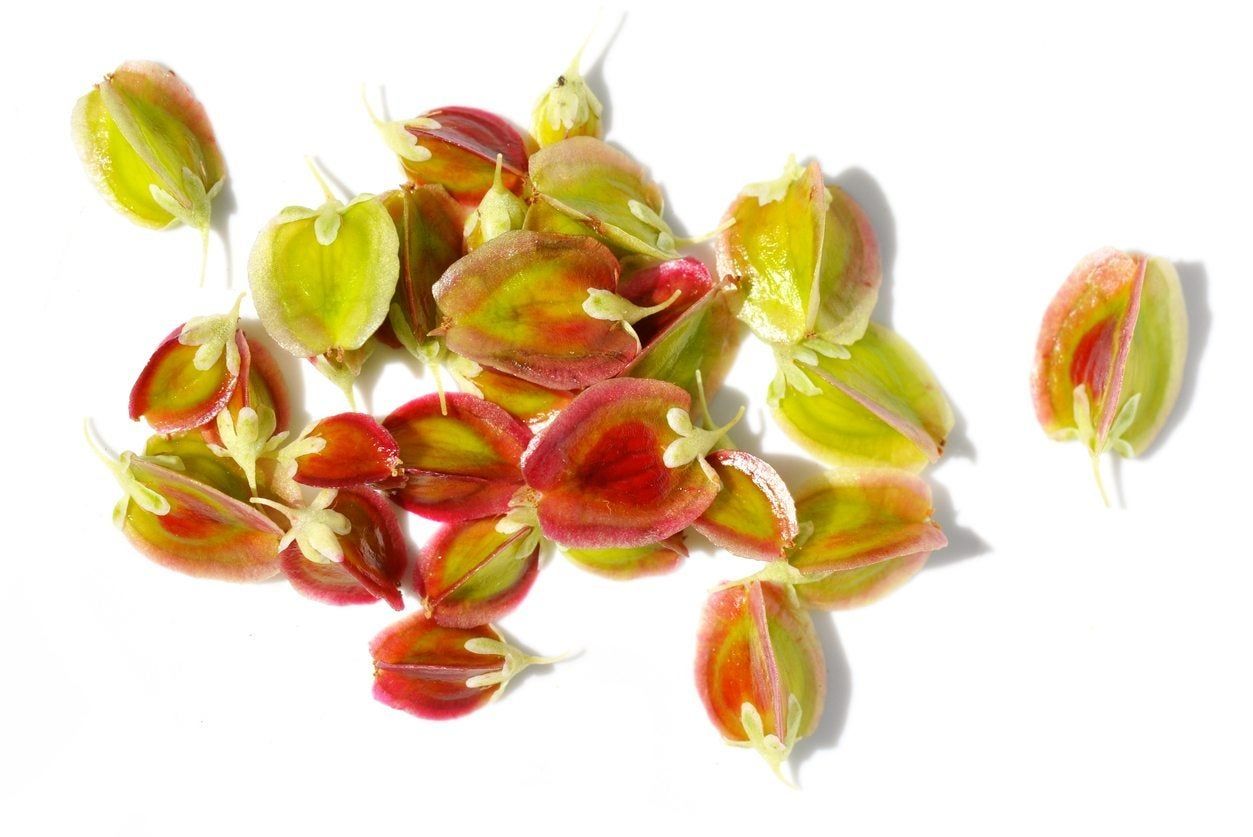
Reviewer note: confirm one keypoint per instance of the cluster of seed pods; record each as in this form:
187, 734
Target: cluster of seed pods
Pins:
539, 273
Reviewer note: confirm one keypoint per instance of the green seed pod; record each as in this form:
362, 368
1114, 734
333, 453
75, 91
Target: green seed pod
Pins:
567, 109
149, 148
323, 279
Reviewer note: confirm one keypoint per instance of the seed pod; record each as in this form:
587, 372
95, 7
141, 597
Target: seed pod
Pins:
323, 279
188, 454
753, 515
192, 374
476, 571
585, 187
527, 402
567, 109
459, 463
518, 304
345, 450
372, 559
261, 387
867, 532
428, 225
805, 257
499, 212
759, 669
149, 148
190, 526
1110, 357
437, 672
457, 147
655, 284
880, 405
633, 562
601, 468
703, 343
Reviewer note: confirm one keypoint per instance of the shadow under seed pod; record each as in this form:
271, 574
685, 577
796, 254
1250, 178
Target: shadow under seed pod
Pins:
865, 190
224, 206
838, 698
963, 542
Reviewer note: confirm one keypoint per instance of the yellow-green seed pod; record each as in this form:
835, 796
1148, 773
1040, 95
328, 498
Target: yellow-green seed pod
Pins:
148, 146
567, 109
499, 212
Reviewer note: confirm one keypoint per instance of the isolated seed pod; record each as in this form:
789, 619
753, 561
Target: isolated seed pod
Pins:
476, 571
586, 187
805, 257
519, 304
1110, 357
149, 148
866, 533
437, 672
459, 457
323, 279
372, 557
601, 468
753, 515
879, 406
759, 669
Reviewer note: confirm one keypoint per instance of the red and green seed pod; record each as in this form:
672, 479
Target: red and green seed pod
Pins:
438, 672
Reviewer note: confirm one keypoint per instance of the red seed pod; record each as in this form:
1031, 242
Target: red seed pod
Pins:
601, 468
373, 558
438, 672
353, 449
459, 458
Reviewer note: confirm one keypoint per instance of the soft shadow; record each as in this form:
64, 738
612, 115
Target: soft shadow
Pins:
1195, 283
289, 367
224, 206
963, 542
595, 77
958, 444
870, 197
1117, 499
839, 695
332, 179
372, 372
796, 471
726, 402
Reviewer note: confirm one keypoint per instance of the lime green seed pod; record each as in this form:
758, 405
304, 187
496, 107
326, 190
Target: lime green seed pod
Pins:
499, 212
804, 255
323, 279
148, 146
586, 187
872, 403
567, 109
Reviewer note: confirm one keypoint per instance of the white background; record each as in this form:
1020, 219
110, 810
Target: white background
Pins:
1060, 668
